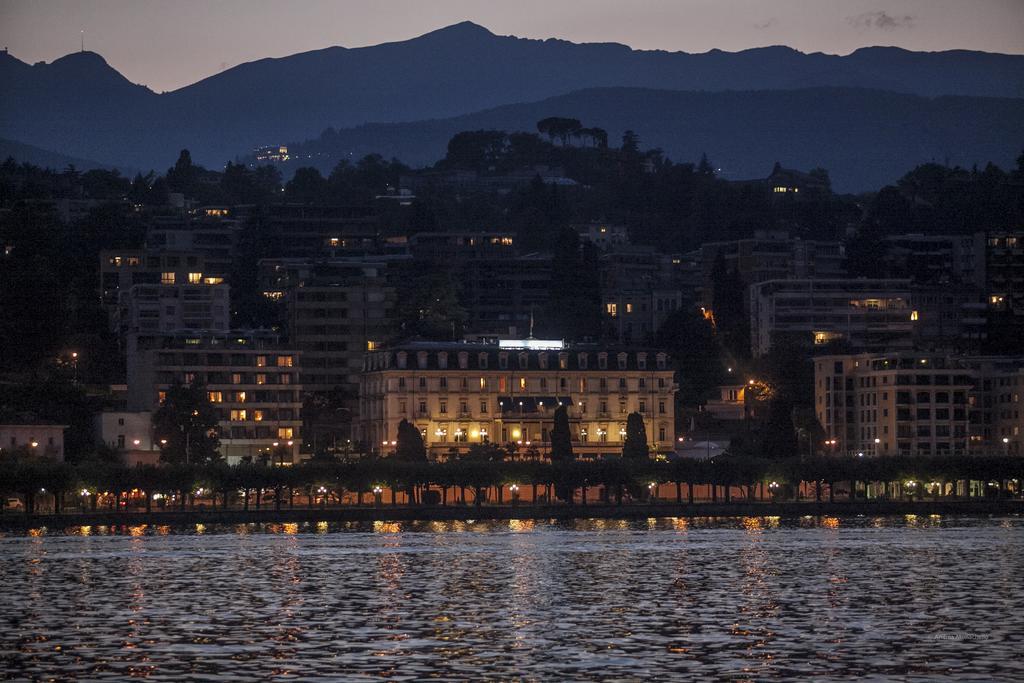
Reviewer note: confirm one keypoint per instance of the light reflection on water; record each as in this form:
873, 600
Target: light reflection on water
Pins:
744, 598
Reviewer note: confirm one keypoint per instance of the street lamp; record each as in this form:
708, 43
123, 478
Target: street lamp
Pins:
377, 491
514, 488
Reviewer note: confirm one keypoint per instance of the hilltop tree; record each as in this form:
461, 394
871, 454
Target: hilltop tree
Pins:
561, 437
184, 175
188, 422
559, 127
635, 446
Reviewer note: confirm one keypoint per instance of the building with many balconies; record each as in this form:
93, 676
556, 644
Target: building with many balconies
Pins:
250, 377
915, 403
864, 314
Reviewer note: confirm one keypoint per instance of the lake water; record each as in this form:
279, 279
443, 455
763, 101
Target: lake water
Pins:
919, 598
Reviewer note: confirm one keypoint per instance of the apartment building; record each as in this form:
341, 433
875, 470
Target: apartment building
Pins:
306, 231
209, 232
771, 255
914, 403
948, 259
865, 314
997, 413
253, 380
336, 309
164, 308
446, 247
1004, 271
34, 438
639, 291
460, 393
121, 269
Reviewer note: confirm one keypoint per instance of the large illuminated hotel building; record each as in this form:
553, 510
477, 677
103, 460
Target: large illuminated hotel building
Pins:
461, 393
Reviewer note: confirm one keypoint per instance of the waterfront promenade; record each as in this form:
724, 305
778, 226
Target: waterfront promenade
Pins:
400, 513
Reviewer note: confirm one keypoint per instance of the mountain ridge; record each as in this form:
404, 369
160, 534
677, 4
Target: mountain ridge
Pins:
744, 132
86, 108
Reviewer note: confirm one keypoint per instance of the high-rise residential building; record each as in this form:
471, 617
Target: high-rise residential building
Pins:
252, 379
936, 259
460, 393
121, 269
639, 291
864, 314
771, 255
336, 310
997, 411
210, 232
306, 231
449, 247
165, 308
916, 403
1004, 271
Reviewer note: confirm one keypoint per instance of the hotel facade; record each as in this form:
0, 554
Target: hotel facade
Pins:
461, 393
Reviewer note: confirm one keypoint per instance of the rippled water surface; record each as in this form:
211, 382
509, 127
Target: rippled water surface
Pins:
757, 598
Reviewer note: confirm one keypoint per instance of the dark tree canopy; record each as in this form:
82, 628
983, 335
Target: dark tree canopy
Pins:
410, 445
561, 437
635, 447
188, 422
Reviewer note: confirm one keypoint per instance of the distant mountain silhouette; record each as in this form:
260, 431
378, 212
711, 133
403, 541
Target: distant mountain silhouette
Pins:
80, 105
865, 138
22, 153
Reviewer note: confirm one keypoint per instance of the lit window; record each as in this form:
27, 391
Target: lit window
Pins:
284, 361
612, 309
629, 308
240, 396
284, 432
257, 415
261, 379
216, 397
913, 315
161, 396
522, 382
238, 416
261, 362
213, 280
236, 378
372, 345
167, 278
195, 278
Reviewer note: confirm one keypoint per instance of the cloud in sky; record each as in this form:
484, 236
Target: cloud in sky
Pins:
880, 20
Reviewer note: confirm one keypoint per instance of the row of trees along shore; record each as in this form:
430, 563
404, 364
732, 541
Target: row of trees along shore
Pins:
218, 485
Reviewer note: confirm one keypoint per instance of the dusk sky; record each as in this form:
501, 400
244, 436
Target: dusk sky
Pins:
166, 45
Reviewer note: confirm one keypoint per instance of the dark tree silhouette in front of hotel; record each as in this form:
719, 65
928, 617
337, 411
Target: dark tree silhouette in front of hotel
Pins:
561, 438
410, 443
635, 447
